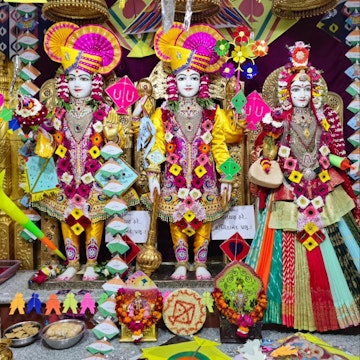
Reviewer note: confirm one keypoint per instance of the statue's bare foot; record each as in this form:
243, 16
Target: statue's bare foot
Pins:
68, 274
179, 273
202, 273
90, 274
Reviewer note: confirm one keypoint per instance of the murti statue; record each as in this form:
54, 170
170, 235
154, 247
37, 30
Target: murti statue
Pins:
191, 135
81, 125
308, 235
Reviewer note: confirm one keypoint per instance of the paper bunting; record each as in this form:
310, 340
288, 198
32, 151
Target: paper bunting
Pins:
87, 303
353, 37
29, 72
113, 285
107, 308
116, 265
118, 245
354, 53
354, 122
34, 303
116, 207
123, 93
354, 88
130, 255
110, 168
229, 168
106, 328
70, 303
116, 226
353, 71
6, 114
156, 157
354, 105
235, 248
17, 303
111, 150
255, 108
354, 139
53, 305
100, 347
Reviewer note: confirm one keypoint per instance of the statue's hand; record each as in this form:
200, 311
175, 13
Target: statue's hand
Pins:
111, 126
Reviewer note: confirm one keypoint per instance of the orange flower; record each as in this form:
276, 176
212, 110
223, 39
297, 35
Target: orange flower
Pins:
96, 139
170, 147
204, 148
59, 137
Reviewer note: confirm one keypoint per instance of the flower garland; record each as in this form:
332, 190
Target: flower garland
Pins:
189, 213
137, 320
242, 320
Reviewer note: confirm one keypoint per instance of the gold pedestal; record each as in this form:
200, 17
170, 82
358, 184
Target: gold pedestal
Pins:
150, 334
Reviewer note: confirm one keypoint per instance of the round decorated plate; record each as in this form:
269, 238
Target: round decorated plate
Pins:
184, 312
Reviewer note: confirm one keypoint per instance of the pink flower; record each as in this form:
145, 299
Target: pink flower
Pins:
173, 158
311, 212
324, 162
290, 164
63, 165
207, 125
189, 201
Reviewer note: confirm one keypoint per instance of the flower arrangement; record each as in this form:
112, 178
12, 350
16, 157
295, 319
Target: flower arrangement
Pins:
244, 321
137, 313
239, 296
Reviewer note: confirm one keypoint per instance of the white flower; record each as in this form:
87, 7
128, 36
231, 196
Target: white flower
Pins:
168, 136
195, 194
284, 151
277, 124
98, 126
207, 137
87, 178
302, 202
183, 193
57, 123
317, 202
324, 150
66, 178
267, 119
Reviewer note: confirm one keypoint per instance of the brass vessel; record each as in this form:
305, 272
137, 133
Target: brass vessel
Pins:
5, 352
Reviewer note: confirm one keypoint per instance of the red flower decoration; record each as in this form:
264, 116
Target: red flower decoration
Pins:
182, 224
197, 183
241, 34
70, 220
179, 181
84, 221
196, 224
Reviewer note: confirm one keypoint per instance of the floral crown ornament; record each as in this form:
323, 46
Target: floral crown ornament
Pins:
300, 68
91, 48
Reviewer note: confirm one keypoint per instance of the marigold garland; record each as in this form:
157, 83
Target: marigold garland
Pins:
243, 321
138, 322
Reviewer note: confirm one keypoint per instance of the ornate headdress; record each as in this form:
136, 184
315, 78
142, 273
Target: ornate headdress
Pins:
300, 68
92, 48
192, 49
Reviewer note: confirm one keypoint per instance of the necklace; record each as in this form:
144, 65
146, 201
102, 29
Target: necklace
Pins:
303, 117
79, 109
